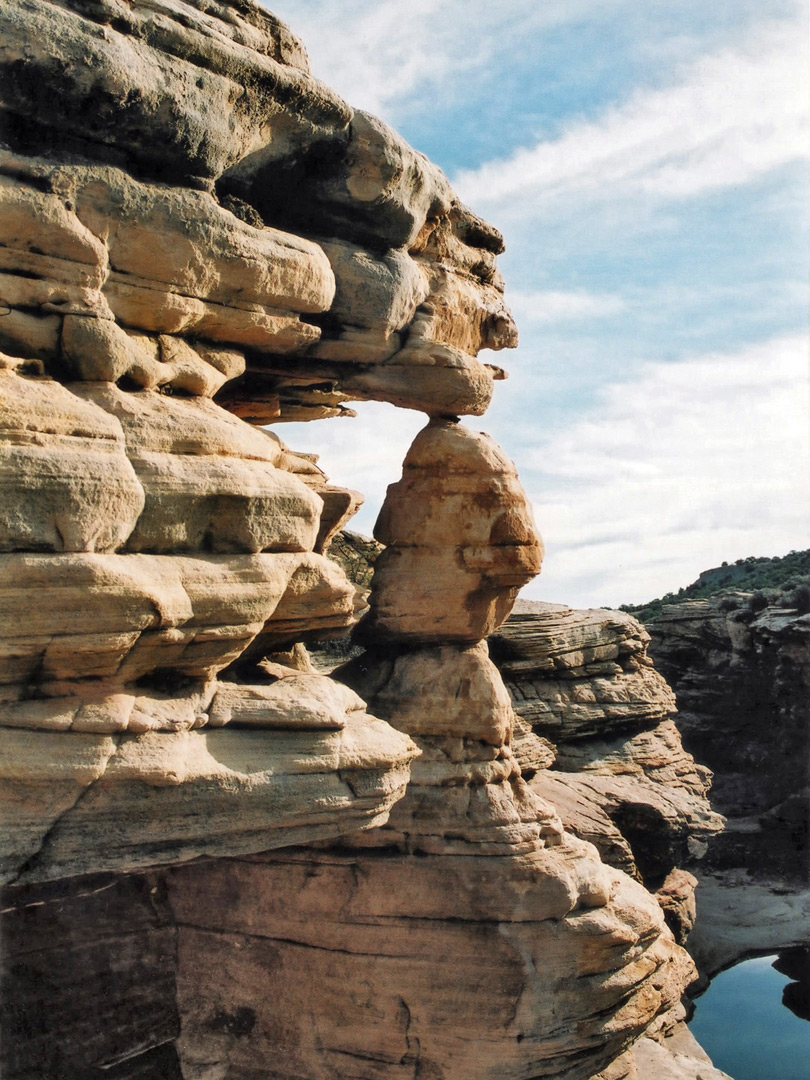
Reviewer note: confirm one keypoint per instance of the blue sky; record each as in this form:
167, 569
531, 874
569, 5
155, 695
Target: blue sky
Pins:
648, 166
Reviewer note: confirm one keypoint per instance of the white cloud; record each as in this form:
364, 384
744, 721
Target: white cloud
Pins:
380, 54
733, 116
551, 306
686, 465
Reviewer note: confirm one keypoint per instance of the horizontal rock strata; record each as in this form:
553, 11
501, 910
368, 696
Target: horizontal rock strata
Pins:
237, 866
582, 682
743, 685
280, 242
472, 863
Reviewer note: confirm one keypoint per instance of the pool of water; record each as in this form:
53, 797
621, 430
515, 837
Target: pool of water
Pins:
746, 1030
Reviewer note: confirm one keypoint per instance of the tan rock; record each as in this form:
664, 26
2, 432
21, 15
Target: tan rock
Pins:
469, 698
463, 311
126, 616
593, 978
675, 1059
207, 503
25, 335
94, 802
432, 377
66, 481
378, 293
293, 701
532, 751
137, 60
677, 899
182, 426
576, 674
621, 779
651, 789
98, 350
582, 814
156, 707
456, 553
372, 187
36, 219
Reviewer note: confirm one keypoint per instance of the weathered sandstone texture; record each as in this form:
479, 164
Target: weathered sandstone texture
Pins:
222, 864
280, 255
393, 924
743, 687
596, 711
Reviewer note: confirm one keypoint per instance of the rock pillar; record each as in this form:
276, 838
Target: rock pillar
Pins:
470, 936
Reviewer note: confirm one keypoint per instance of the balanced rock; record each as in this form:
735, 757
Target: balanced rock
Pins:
460, 541
472, 861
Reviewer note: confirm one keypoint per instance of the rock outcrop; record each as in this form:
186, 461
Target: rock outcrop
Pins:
597, 719
234, 865
742, 679
741, 672
278, 256
476, 936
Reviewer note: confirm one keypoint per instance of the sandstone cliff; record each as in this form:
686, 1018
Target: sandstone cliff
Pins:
741, 671
587, 692
222, 863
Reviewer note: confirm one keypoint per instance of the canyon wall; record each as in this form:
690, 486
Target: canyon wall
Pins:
743, 683
741, 671
589, 697
219, 862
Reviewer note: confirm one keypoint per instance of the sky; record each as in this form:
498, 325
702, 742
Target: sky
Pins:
648, 166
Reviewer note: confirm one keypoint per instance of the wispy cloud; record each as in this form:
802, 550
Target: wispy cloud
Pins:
379, 55
731, 117
556, 306
686, 465
655, 438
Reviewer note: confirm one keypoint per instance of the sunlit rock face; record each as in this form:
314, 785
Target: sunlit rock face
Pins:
471, 935
178, 177
197, 239
586, 691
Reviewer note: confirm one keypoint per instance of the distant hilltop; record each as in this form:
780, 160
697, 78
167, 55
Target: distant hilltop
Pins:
782, 580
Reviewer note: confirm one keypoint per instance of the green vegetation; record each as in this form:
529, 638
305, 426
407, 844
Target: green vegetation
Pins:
783, 581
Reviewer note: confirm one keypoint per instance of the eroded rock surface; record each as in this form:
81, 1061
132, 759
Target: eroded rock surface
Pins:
196, 236
313, 254
471, 863
583, 683
279, 256
743, 685
150, 542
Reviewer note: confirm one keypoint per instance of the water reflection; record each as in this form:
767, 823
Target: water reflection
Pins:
795, 963
741, 1023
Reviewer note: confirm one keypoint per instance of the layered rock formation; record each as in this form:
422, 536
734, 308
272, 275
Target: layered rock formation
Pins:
151, 539
198, 236
743, 684
476, 935
596, 711
742, 678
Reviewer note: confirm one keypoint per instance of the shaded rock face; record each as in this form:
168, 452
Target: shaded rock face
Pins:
743, 688
197, 236
594, 709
